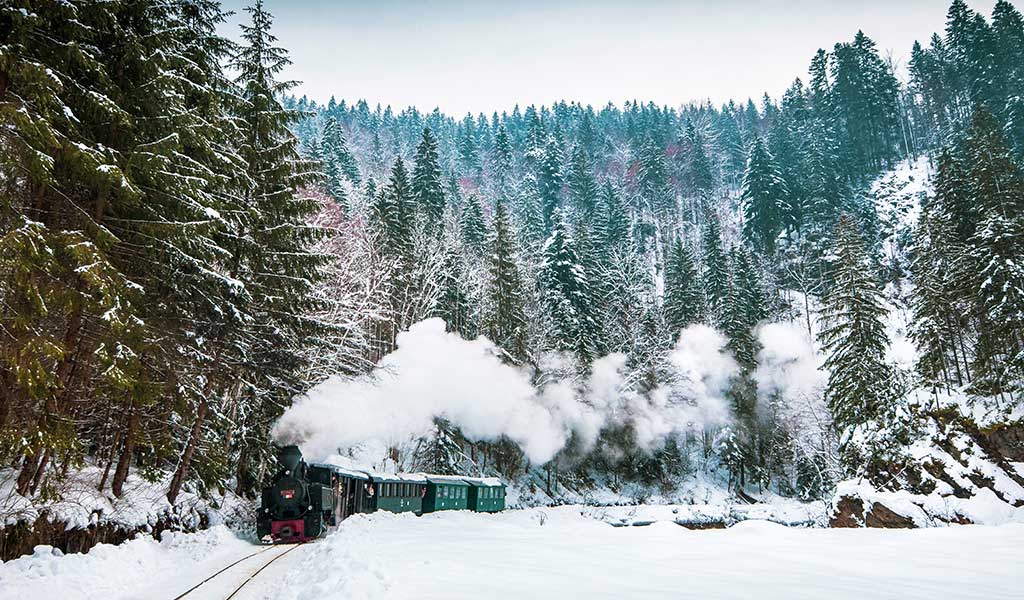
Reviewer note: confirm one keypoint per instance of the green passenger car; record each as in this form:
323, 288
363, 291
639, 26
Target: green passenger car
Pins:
399, 493
445, 493
486, 494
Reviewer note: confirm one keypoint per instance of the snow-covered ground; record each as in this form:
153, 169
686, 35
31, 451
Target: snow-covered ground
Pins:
565, 552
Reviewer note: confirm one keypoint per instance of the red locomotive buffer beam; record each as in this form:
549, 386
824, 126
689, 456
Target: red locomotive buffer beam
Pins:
288, 531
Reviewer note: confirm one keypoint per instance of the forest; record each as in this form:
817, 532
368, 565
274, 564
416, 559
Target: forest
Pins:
186, 247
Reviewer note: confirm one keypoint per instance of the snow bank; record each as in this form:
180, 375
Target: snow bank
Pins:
112, 572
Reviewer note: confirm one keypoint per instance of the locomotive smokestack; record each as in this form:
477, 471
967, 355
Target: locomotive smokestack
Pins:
290, 457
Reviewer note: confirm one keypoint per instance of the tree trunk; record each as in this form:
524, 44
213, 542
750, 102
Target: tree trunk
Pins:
190, 448
127, 450
6, 396
38, 477
110, 462
28, 472
242, 475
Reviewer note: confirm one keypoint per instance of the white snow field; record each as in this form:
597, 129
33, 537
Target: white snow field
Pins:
543, 553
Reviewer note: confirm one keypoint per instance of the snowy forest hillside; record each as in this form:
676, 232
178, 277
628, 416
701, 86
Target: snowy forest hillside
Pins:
775, 297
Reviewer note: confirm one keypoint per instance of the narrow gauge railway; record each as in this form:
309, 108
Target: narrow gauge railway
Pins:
305, 500
229, 570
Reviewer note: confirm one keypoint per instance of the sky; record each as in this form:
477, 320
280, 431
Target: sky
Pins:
488, 55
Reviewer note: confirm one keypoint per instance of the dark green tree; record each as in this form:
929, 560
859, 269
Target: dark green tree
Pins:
427, 189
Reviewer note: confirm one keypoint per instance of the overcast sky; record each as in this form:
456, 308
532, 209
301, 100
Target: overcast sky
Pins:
487, 55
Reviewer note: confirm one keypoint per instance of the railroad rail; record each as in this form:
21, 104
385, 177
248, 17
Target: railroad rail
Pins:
251, 576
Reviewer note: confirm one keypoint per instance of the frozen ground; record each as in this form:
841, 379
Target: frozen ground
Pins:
546, 553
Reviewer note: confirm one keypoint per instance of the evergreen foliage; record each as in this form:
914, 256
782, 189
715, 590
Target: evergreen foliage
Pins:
853, 336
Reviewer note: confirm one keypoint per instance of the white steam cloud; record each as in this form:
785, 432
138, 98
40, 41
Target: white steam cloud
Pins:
434, 373
787, 363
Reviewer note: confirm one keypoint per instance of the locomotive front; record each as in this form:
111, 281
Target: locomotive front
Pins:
286, 508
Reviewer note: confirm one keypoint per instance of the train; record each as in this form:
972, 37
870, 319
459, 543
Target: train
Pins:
306, 500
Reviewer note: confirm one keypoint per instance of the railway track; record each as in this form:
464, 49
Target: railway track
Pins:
186, 594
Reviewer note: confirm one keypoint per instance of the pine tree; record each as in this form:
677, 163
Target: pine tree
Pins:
274, 245
505, 322
854, 336
715, 275
863, 99
335, 150
652, 178
549, 183
582, 186
743, 308
684, 298
501, 163
937, 325
472, 229
441, 452
615, 225
567, 295
952, 195
995, 255
427, 188
700, 165
765, 197
469, 160
453, 305
392, 215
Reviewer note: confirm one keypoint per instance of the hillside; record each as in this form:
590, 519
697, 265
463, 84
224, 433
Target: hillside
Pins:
811, 300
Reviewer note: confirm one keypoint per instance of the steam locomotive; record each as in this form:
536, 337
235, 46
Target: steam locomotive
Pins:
305, 500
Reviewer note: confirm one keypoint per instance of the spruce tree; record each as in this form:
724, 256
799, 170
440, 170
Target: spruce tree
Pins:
995, 256
614, 218
334, 149
853, 335
501, 163
567, 294
684, 298
472, 229
937, 325
582, 186
549, 183
469, 160
505, 321
715, 275
953, 196
700, 165
652, 178
765, 197
427, 189
453, 304
273, 251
